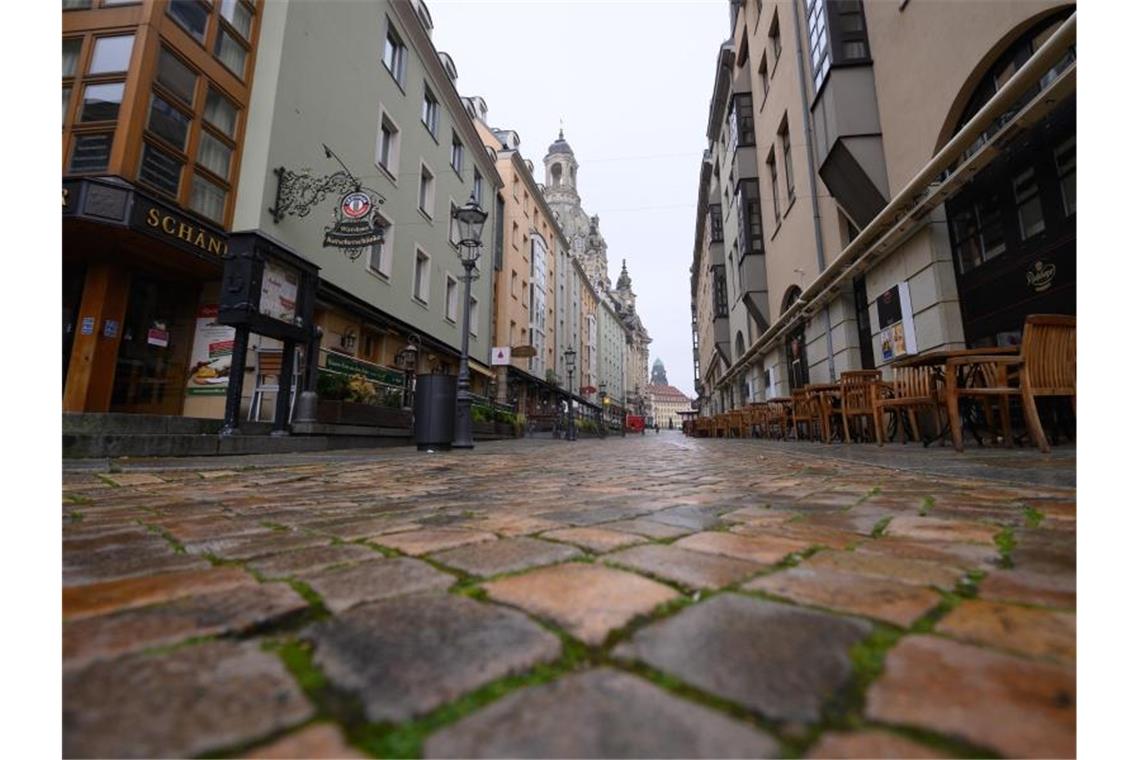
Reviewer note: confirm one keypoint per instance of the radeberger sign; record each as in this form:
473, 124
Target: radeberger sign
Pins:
356, 223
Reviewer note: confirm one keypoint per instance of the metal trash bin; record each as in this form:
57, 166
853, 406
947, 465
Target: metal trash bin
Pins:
434, 412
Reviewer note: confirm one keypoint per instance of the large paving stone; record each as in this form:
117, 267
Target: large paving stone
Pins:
505, 556
421, 542
223, 612
1056, 589
597, 540
870, 743
780, 660
249, 546
1012, 705
195, 700
939, 529
1028, 630
689, 568
108, 596
126, 562
311, 559
689, 518
647, 528
764, 550
891, 601
406, 656
597, 714
587, 600
317, 740
912, 571
342, 588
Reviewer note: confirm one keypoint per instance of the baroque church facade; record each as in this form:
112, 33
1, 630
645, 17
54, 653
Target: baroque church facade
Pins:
588, 246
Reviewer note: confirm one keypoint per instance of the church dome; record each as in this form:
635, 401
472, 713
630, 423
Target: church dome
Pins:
559, 146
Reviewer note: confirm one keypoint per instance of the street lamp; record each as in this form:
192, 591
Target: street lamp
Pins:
469, 220
603, 399
570, 355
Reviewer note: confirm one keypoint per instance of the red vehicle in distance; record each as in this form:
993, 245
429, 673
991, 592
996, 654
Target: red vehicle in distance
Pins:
635, 423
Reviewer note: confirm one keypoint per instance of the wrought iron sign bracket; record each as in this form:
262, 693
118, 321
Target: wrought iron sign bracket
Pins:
299, 192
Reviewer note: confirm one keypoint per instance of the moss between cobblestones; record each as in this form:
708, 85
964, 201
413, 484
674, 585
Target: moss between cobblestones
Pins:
926, 623
109, 481
1006, 542
77, 498
926, 506
1033, 517
881, 527
175, 544
865, 497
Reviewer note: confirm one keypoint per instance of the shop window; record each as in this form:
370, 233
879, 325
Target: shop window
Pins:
1026, 196
101, 102
191, 15
168, 122
978, 232
160, 170
178, 79
208, 199
91, 152
112, 54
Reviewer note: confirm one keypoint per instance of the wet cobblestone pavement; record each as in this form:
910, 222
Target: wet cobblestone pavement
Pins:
649, 597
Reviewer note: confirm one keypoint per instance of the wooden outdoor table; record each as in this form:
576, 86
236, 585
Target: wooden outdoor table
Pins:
825, 394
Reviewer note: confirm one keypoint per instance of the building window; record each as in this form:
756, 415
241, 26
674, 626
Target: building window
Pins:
388, 147
239, 16
1065, 157
789, 174
1026, 196
160, 170
395, 54
427, 191
71, 50
101, 102
817, 41
474, 306
775, 185
191, 15
774, 39
763, 73
453, 227
456, 154
477, 189
214, 155
978, 232
112, 54
168, 122
745, 124
720, 292
836, 34
749, 216
730, 130
380, 255
429, 114
716, 224
220, 113
208, 199
178, 79
231, 52
514, 284
452, 301
421, 281
515, 234
91, 152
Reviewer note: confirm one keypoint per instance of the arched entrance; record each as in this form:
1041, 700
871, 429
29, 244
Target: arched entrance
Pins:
1013, 227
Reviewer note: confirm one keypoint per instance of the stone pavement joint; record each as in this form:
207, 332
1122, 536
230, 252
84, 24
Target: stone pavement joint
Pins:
721, 597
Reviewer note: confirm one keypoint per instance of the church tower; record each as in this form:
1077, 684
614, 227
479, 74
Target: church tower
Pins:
561, 172
581, 230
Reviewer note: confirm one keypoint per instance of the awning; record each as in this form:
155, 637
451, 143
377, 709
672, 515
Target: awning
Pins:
481, 368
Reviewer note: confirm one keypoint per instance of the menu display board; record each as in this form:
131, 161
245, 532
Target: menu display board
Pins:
279, 292
210, 355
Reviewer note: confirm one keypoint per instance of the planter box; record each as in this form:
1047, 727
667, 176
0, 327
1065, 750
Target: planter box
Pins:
353, 413
483, 428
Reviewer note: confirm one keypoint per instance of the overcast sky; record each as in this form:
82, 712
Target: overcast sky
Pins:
631, 81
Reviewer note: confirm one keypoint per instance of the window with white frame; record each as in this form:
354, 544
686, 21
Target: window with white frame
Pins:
453, 227
452, 302
429, 114
474, 317
395, 54
388, 146
380, 255
421, 279
477, 188
427, 191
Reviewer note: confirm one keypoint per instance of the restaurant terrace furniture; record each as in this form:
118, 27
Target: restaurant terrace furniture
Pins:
914, 388
826, 397
758, 418
720, 425
738, 423
267, 379
1046, 366
779, 417
805, 414
855, 394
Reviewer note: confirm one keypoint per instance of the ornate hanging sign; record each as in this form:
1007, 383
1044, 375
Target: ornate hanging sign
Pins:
356, 223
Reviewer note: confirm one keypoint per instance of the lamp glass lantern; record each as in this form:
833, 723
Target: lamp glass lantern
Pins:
469, 221
570, 355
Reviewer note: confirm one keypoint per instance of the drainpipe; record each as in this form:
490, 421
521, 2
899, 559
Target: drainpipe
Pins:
821, 261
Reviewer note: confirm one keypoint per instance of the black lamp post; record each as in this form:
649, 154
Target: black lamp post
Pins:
605, 416
570, 355
469, 219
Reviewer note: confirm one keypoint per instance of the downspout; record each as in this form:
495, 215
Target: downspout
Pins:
821, 261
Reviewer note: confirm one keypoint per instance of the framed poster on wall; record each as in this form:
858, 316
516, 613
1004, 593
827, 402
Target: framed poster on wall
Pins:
896, 323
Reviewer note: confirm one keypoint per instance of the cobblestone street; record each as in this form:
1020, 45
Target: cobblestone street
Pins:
651, 596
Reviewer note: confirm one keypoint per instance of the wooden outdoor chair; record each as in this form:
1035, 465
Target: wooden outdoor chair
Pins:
737, 421
720, 425
267, 365
758, 418
805, 414
855, 396
779, 418
913, 389
1046, 366
826, 397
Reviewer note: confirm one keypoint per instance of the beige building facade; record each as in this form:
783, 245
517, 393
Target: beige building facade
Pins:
863, 237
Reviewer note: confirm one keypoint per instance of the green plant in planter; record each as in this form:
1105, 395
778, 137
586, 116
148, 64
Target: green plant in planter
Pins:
332, 387
480, 414
391, 398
